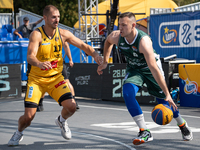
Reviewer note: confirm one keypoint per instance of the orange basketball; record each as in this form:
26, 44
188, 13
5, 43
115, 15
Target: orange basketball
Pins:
162, 114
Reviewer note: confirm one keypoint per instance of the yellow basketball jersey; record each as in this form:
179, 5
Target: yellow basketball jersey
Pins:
49, 50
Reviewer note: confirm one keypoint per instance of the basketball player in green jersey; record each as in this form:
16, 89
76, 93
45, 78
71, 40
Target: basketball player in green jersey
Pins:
143, 66
45, 72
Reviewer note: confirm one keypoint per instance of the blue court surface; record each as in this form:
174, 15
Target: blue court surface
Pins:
97, 125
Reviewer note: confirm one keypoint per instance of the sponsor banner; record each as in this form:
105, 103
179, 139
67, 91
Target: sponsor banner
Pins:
189, 82
176, 33
85, 80
179, 34
108, 86
10, 80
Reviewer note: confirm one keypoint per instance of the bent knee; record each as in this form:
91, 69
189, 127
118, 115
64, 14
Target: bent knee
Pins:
69, 105
130, 90
28, 120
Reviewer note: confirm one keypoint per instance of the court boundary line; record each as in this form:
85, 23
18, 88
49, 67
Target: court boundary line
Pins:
80, 133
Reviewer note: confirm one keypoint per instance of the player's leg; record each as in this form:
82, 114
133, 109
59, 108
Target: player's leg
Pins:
40, 106
69, 107
66, 74
182, 124
129, 93
62, 94
33, 95
155, 90
72, 91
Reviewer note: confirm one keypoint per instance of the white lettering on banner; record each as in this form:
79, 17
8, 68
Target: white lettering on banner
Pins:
119, 73
5, 85
118, 79
188, 34
14, 94
169, 36
82, 80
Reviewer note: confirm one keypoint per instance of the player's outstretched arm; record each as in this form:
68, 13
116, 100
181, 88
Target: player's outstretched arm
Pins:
70, 38
112, 39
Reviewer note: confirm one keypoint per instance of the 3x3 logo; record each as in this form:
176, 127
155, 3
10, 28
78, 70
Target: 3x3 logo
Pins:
179, 34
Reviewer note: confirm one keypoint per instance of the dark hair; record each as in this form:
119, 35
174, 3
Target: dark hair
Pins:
48, 8
127, 14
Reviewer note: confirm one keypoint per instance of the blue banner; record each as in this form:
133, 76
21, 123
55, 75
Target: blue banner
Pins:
176, 33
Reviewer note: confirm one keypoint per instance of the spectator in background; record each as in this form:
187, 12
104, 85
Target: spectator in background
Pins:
26, 28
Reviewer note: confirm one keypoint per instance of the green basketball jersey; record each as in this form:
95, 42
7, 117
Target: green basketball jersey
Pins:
134, 58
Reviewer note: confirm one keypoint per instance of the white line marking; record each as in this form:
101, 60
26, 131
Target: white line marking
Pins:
148, 112
101, 137
81, 133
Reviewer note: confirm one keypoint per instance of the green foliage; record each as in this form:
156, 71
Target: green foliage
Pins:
185, 2
68, 8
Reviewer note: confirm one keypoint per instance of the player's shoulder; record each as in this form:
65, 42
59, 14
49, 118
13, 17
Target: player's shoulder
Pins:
66, 35
114, 37
64, 31
36, 35
115, 33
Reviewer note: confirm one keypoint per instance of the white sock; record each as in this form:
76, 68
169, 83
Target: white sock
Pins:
62, 119
139, 120
19, 132
179, 120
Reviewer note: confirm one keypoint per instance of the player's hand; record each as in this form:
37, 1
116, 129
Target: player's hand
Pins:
71, 64
171, 102
98, 59
101, 67
45, 65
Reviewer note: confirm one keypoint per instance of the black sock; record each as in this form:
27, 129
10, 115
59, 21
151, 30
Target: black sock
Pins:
41, 102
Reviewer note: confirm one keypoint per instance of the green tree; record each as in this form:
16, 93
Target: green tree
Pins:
185, 2
68, 8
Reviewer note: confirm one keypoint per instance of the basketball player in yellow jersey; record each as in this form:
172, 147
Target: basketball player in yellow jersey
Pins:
45, 72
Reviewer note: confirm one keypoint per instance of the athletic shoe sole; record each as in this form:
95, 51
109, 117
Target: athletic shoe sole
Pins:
141, 141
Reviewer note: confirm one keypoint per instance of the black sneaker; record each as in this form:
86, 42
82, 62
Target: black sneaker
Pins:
40, 108
186, 132
77, 107
143, 137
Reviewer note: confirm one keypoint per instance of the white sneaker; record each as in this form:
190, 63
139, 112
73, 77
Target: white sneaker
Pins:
15, 139
65, 131
186, 132
143, 137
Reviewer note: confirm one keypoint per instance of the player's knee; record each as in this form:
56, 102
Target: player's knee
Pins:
69, 105
28, 119
72, 107
64, 97
129, 91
